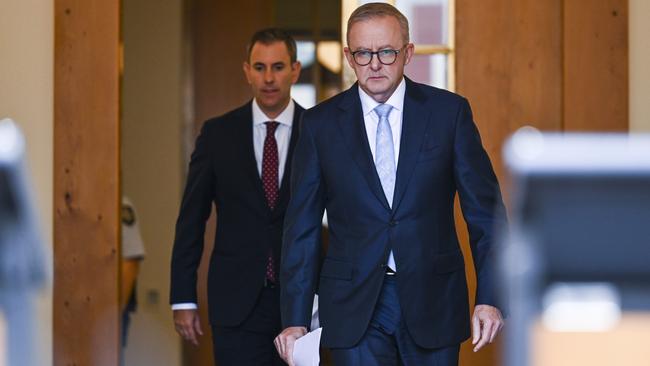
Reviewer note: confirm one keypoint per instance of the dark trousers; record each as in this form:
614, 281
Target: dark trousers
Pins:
387, 342
251, 343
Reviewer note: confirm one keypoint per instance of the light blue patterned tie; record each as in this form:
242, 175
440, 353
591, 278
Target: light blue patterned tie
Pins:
385, 152
385, 161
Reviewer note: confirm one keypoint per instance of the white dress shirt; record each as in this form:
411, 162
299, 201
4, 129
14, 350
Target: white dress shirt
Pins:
282, 137
371, 121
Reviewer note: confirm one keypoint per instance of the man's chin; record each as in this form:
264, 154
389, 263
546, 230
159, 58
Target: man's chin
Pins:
271, 105
376, 89
268, 103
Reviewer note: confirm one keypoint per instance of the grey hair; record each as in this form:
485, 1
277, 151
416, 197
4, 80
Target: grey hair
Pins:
377, 10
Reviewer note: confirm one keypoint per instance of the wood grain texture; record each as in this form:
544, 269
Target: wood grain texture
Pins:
86, 191
509, 66
557, 65
596, 83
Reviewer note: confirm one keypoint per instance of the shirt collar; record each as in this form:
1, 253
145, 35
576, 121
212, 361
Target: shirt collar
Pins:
284, 118
396, 100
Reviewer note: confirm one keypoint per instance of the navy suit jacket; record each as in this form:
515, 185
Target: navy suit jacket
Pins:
440, 154
223, 172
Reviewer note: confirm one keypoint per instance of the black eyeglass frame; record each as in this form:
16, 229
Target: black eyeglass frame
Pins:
372, 54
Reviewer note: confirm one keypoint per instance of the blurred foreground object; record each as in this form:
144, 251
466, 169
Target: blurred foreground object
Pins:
576, 262
22, 264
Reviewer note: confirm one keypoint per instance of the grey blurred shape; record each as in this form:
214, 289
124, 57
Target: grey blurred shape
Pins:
22, 264
580, 214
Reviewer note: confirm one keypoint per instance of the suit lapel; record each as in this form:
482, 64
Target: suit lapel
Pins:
351, 124
286, 177
249, 157
415, 119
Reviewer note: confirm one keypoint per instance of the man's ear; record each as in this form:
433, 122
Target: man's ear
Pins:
247, 70
348, 56
409, 50
295, 71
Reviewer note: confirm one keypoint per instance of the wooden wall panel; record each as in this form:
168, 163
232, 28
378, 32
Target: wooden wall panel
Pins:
596, 65
555, 64
221, 31
86, 192
509, 66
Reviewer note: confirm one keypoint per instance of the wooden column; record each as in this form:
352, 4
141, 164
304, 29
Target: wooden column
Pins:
596, 65
86, 191
555, 64
509, 66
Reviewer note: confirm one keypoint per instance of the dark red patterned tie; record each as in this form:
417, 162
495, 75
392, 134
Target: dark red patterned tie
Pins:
270, 182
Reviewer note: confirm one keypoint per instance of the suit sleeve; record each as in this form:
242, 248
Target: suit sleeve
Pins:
302, 232
480, 200
190, 225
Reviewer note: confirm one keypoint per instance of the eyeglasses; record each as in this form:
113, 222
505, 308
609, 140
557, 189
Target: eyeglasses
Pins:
386, 56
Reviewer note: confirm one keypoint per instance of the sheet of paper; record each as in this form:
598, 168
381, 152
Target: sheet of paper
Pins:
305, 350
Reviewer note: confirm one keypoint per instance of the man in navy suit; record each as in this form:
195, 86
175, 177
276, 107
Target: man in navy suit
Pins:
241, 164
385, 160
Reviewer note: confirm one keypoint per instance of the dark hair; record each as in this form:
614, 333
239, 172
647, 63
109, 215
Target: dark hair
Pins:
272, 35
377, 10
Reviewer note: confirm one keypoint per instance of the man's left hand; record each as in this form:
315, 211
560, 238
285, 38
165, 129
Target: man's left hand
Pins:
487, 321
285, 341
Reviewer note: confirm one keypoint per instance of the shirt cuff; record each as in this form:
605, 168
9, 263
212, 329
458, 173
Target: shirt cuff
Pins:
185, 306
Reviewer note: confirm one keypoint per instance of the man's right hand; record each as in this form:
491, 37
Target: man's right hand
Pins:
188, 325
285, 341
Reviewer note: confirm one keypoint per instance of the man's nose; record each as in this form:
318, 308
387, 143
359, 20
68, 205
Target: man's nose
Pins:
375, 64
269, 77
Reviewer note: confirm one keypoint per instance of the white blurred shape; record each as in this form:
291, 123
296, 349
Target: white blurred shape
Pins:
529, 150
11, 141
306, 52
581, 307
304, 94
527, 143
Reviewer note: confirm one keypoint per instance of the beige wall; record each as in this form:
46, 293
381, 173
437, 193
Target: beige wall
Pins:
639, 61
26, 83
152, 165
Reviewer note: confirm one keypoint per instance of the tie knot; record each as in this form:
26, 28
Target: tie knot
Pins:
383, 110
271, 126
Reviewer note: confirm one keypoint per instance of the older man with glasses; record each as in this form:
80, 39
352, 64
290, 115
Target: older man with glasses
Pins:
386, 159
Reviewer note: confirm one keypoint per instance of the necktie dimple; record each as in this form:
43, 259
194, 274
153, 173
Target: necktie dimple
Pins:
270, 181
385, 161
385, 152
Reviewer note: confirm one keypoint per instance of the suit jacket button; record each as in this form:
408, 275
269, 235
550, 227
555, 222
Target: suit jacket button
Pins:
392, 223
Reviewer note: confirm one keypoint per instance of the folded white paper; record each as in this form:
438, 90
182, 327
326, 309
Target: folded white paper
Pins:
306, 349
